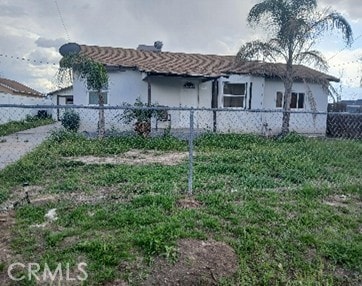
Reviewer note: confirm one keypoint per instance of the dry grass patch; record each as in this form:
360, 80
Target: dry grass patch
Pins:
343, 201
136, 157
189, 203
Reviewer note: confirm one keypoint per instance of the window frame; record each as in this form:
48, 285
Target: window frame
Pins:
102, 91
230, 95
297, 100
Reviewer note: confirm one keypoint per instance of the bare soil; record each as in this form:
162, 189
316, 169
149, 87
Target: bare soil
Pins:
7, 220
189, 203
344, 201
136, 157
199, 263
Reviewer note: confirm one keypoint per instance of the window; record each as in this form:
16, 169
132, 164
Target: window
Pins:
69, 100
93, 97
296, 101
279, 102
234, 94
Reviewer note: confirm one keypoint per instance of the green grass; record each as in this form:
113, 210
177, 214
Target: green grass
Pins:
29, 122
266, 198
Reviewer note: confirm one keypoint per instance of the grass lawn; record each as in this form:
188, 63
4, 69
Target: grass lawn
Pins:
16, 126
290, 209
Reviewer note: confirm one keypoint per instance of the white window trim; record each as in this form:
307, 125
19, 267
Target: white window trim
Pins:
234, 95
296, 108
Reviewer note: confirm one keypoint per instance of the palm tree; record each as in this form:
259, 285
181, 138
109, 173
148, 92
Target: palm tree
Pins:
295, 26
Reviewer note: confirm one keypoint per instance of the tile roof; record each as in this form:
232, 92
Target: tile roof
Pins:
17, 88
184, 64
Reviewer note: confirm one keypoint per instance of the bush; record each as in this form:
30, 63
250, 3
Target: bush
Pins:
140, 114
71, 120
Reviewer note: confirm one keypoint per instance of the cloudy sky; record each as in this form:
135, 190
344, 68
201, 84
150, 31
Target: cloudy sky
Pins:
35, 29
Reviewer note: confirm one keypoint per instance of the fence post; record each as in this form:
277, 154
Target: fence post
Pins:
191, 143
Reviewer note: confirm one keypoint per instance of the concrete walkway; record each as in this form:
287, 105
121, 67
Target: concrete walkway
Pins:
15, 146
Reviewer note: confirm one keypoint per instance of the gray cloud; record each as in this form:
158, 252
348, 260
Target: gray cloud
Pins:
50, 43
203, 26
11, 11
349, 8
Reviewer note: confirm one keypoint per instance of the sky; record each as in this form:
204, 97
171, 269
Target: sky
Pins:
33, 30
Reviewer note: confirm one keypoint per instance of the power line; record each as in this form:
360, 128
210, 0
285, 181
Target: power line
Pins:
341, 50
347, 63
62, 20
28, 60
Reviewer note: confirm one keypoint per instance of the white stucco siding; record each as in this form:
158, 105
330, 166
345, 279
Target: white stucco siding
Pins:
17, 113
126, 86
59, 98
319, 95
170, 91
258, 89
123, 87
300, 121
241, 120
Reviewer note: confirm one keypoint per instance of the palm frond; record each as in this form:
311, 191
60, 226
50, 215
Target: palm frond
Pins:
275, 8
311, 57
257, 50
334, 21
301, 7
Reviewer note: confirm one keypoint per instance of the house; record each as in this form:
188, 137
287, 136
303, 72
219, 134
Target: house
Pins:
62, 96
205, 81
13, 92
353, 106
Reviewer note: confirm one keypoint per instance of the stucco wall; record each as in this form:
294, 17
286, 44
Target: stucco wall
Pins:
16, 113
59, 98
170, 91
126, 86
300, 121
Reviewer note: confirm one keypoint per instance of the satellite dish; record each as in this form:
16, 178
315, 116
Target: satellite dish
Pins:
69, 49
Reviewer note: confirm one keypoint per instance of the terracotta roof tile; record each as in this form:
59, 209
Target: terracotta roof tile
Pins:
18, 88
184, 64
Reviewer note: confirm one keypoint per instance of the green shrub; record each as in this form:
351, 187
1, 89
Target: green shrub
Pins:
71, 120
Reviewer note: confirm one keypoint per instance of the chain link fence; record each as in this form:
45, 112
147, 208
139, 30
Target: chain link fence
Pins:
211, 148
147, 178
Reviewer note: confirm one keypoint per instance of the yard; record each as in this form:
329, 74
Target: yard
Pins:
262, 212
30, 122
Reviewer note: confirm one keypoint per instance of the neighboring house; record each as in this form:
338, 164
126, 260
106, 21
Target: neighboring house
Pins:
13, 92
353, 106
205, 81
63, 96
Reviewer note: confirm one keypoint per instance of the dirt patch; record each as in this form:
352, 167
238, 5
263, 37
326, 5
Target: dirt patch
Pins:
337, 201
7, 220
189, 203
199, 263
29, 194
136, 157
99, 195
343, 201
